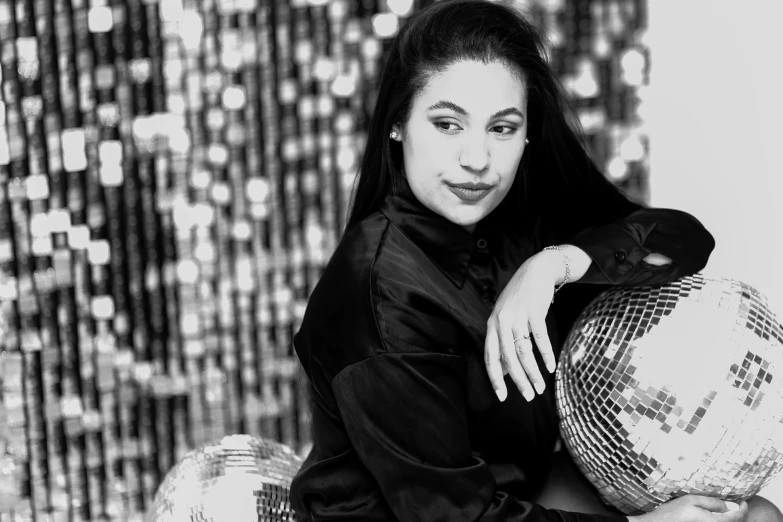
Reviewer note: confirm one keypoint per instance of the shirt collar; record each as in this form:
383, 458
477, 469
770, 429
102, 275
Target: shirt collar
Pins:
447, 244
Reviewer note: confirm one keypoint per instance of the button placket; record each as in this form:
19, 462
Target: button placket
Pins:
480, 271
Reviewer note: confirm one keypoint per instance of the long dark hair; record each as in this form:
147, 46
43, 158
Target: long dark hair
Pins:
558, 188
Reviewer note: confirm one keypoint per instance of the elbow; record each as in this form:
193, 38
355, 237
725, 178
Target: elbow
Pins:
698, 245
706, 247
698, 252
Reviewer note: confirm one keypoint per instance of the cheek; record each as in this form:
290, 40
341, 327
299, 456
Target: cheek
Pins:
427, 157
506, 161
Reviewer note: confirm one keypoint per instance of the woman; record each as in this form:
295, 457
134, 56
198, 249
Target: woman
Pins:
470, 169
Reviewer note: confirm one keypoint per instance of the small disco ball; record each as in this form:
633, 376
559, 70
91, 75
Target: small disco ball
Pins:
674, 390
237, 478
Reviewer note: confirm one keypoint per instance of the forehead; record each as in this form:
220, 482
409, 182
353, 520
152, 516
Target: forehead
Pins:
480, 88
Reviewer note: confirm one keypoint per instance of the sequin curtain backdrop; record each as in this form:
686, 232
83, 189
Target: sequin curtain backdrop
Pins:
174, 174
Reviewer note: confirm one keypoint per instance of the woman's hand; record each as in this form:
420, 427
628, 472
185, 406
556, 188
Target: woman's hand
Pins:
695, 508
519, 314
657, 259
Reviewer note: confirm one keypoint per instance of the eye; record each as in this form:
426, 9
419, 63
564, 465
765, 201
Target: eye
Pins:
449, 127
504, 130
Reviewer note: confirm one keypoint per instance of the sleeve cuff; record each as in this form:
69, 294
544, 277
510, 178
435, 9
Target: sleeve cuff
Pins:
615, 251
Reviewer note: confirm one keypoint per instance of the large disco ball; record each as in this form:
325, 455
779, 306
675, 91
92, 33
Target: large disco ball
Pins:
237, 478
674, 390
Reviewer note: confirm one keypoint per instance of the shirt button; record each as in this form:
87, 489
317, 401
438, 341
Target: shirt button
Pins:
620, 256
481, 243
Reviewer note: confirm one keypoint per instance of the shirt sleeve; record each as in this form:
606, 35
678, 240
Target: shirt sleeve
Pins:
618, 248
406, 418
620, 233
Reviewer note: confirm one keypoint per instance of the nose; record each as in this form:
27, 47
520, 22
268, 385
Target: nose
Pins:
475, 154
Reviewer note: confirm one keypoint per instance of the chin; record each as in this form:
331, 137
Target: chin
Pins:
464, 221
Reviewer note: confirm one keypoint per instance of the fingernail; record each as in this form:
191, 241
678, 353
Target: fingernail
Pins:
551, 367
501, 393
732, 506
529, 395
539, 386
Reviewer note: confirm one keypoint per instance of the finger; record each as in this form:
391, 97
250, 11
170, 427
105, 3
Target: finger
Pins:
657, 259
541, 336
527, 359
715, 505
516, 352
736, 512
515, 369
492, 361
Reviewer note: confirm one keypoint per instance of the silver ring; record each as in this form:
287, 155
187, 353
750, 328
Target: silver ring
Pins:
525, 337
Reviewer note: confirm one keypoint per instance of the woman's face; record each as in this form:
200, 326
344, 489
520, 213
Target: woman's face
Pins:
464, 139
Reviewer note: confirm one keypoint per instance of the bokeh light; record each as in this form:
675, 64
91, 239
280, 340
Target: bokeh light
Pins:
174, 178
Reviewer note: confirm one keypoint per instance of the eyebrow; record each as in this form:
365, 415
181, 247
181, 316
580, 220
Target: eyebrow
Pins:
443, 104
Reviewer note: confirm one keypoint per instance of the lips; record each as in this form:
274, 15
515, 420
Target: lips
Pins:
470, 191
471, 186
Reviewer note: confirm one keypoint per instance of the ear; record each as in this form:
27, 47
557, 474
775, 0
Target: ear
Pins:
398, 129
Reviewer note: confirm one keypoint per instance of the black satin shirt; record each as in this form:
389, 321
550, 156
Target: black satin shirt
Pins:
406, 425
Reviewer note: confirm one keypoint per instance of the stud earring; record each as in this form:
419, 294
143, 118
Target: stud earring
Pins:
527, 141
393, 135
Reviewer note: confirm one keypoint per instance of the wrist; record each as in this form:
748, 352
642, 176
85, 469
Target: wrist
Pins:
555, 265
579, 261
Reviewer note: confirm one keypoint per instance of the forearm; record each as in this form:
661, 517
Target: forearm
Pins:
579, 262
648, 247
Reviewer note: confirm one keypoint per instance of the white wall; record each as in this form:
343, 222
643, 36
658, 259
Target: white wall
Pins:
716, 133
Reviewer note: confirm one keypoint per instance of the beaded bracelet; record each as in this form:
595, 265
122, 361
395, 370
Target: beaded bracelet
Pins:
567, 262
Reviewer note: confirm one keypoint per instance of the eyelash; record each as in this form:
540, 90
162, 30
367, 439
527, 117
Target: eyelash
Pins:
511, 129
